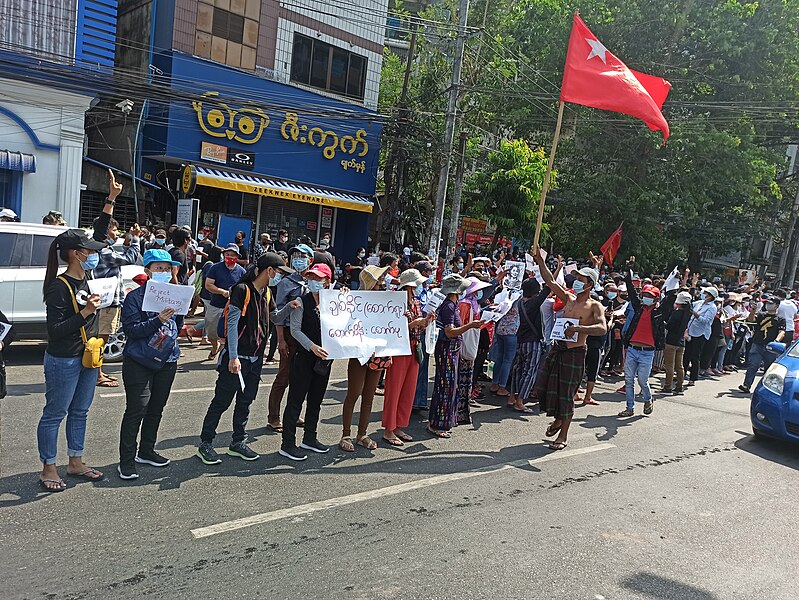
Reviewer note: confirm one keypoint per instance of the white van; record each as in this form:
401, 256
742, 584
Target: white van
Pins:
23, 262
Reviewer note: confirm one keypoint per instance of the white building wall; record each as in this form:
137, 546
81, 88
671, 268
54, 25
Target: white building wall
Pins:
57, 118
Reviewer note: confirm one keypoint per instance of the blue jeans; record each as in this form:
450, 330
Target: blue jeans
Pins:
503, 350
758, 355
638, 365
69, 391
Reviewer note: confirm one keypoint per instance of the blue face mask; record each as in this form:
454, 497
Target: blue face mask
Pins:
110, 242
201, 236
612, 295
361, 254
430, 280
276, 279
299, 264
648, 301
161, 276
418, 291
460, 266
578, 286
316, 286
480, 295
91, 262
160, 241
323, 246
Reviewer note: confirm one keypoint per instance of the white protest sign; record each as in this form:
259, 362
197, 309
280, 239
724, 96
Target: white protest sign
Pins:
158, 296
529, 263
559, 330
357, 324
373, 261
105, 288
570, 268
536, 271
4, 329
434, 300
513, 280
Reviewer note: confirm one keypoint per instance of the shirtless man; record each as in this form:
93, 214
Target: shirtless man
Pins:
561, 374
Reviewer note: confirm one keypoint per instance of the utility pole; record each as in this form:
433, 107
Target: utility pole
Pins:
457, 192
449, 130
787, 242
391, 174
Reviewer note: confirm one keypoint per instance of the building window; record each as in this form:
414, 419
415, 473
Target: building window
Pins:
328, 67
228, 35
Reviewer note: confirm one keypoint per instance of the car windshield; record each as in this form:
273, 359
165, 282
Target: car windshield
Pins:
794, 351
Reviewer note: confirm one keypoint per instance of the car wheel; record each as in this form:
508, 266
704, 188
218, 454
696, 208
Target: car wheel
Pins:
757, 436
114, 347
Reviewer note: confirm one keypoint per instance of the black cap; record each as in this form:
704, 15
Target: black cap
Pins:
274, 260
77, 238
424, 265
324, 258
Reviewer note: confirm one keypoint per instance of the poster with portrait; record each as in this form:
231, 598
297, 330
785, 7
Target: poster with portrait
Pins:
515, 275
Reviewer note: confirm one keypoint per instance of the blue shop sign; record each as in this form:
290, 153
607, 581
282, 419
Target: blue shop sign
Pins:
287, 132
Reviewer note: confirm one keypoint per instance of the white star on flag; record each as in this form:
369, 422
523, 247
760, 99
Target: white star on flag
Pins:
597, 49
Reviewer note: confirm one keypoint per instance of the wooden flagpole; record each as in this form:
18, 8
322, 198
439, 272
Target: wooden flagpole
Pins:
548, 175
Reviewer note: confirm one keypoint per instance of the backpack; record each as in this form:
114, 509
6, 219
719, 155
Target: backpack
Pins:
221, 326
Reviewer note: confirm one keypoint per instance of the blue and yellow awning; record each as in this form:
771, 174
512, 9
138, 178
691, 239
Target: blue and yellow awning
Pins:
275, 188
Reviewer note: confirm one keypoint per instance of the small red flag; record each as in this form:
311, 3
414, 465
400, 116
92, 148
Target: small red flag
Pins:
611, 247
594, 77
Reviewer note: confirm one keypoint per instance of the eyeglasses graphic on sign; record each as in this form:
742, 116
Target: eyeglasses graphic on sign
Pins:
245, 125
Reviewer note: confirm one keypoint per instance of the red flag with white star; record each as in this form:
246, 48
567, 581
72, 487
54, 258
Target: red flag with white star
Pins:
594, 77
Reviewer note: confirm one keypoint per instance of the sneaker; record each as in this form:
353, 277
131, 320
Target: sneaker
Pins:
127, 472
677, 390
648, 407
314, 446
626, 413
243, 451
207, 454
292, 453
152, 458
667, 390
744, 389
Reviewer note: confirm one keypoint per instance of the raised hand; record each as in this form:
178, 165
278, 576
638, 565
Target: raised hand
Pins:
114, 188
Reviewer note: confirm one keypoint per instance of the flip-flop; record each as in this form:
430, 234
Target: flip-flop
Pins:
440, 434
275, 428
525, 410
590, 403
557, 445
61, 485
107, 383
550, 432
111, 377
394, 442
85, 475
404, 437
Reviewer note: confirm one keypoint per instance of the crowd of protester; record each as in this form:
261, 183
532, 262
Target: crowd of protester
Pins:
624, 323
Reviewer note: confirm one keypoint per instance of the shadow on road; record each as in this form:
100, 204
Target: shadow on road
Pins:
611, 424
776, 451
655, 586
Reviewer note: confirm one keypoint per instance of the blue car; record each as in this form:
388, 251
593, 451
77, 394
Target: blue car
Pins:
775, 403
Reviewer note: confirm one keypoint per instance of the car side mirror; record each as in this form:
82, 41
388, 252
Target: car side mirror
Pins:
776, 347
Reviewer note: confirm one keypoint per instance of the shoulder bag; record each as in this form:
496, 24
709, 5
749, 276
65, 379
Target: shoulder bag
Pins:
92, 347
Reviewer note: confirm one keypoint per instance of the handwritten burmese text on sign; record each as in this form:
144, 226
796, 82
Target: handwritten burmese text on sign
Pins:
105, 288
357, 324
158, 296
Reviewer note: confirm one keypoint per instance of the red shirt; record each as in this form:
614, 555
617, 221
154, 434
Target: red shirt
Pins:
643, 336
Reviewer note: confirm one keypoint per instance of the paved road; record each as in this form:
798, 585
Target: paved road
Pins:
678, 505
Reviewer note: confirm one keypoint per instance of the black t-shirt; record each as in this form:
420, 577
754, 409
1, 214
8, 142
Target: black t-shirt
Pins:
205, 246
180, 256
766, 328
243, 251
63, 322
281, 246
254, 325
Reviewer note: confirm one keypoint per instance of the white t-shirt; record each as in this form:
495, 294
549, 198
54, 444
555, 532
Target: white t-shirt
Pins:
787, 310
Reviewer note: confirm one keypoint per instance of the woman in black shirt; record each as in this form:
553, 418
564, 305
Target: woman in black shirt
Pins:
69, 386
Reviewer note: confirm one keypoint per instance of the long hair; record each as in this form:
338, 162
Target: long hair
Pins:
250, 274
53, 255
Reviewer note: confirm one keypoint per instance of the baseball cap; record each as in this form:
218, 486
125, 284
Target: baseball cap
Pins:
302, 249
651, 290
423, 266
683, 298
155, 255
274, 260
592, 274
232, 248
321, 270
8, 214
77, 238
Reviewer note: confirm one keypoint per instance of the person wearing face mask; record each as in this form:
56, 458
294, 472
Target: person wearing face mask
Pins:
675, 344
423, 295
401, 378
281, 244
148, 369
356, 267
110, 265
219, 279
699, 330
644, 334
469, 309
69, 386
239, 369
243, 254
290, 288
158, 242
768, 327
310, 372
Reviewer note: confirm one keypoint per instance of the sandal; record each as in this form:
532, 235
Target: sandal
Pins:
393, 441
87, 475
367, 442
440, 434
523, 409
551, 430
403, 436
60, 485
346, 444
107, 383
111, 377
557, 445
212, 355
276, 427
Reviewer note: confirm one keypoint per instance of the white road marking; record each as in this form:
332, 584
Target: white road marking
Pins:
200, 389
392, 490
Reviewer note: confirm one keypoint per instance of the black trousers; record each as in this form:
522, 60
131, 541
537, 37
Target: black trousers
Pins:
146, 393
482, 354
304, 384
692, 356
708, 352
270, 355
228, 386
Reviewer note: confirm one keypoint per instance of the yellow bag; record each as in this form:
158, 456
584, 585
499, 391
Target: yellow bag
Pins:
92, 347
